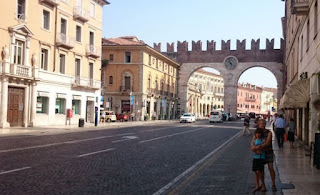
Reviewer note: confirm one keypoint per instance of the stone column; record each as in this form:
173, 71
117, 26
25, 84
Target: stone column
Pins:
33, 105
4, 103
230, 98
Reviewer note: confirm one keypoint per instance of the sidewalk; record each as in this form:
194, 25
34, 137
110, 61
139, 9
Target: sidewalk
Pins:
295, 167
49, 130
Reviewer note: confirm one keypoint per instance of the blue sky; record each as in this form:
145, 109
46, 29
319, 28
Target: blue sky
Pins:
156, 21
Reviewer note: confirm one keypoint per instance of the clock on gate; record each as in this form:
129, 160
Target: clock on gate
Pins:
230, 62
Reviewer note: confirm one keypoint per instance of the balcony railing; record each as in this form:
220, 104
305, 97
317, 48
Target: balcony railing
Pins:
65, 41
85, 83
19, 71
93, 51
126, 89
52, 2
248, 99
300, 7
81, 14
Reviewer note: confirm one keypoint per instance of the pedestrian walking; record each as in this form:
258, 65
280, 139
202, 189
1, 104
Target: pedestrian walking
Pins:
267, 147
258, 161
273, 120
291, 128
280, 124
246, 125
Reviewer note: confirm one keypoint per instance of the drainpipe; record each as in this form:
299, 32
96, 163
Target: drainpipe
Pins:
55, 40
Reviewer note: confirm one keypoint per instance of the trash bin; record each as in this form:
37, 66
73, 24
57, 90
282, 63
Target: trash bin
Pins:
81, 122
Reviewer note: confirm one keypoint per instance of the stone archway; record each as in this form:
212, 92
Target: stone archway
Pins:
190, 61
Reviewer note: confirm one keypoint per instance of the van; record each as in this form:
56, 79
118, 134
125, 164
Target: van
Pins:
215, 116
109, 116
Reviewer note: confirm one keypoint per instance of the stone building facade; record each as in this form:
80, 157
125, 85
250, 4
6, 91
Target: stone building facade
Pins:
205, 92
301, 98
230, 63
50, 61
137, 70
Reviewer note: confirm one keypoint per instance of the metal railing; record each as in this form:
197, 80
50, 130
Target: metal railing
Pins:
126, 89
80, 13
65, 40
93, 50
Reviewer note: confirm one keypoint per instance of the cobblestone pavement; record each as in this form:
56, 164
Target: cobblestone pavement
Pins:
132, 160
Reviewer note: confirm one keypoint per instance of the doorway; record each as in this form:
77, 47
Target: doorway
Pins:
15, 106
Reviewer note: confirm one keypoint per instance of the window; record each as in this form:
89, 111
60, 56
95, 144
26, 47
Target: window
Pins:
46, 20
111, 58
76, 106
157, 63
91, 70
77, 69
92, 9
127, 82
315, 18
18, 53
63, 26
308, 34
78, 33
301, 46
91, 38
128, 57
21, 8
62, 63
60, 106
42, 105
110, 80
44, 59
149, 59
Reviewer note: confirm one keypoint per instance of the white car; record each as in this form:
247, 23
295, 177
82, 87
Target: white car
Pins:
215, 116
188, 118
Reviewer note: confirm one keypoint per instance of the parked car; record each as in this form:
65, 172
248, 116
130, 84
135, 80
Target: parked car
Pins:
109, 116
215, 116
188, 118
122, 117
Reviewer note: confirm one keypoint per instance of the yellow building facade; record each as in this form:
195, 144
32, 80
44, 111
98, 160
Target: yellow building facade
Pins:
205, 92
137, 70
50, 61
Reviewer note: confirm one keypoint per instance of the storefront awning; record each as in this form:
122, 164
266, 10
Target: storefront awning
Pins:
297, 95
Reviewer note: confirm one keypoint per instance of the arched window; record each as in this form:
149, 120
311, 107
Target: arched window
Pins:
127, 81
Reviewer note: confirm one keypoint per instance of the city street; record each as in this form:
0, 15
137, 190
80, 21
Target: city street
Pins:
154, 159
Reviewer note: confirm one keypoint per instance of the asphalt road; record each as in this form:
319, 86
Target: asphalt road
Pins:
173, 158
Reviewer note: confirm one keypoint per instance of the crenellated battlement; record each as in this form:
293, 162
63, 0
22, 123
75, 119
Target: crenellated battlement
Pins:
197, 54
225, 46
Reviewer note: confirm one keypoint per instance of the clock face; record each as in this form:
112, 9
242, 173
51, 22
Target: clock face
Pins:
230, 62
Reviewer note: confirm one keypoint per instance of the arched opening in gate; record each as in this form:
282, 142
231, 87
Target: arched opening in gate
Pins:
257, 92
205, 92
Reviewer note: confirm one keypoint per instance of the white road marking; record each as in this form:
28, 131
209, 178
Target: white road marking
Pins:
14, 170
125, 138
197, 164
88, 154
157, 138
61, 143
163, 128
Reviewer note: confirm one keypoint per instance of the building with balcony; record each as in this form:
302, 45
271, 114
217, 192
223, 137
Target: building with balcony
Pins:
50, 61
268, 100
249, 98
301, 99
138, 79
205, 93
